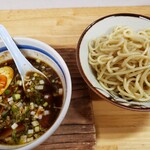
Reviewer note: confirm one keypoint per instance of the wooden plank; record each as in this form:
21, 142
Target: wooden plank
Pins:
58, 27
70, 138
75, 129
79, 112
67, 146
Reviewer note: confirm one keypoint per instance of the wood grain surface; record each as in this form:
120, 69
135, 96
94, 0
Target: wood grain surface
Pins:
116, 128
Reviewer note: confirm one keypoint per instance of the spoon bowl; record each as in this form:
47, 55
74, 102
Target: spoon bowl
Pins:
23, 65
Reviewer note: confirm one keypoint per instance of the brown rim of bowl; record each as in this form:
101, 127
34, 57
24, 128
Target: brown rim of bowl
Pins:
80, 67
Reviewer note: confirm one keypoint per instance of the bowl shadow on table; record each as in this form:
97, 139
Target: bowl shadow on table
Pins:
113, 122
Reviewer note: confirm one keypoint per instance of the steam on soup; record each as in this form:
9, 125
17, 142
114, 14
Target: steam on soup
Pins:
26, 116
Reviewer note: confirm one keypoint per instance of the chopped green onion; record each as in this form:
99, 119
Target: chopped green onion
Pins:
39, 87
45, 104
16, 96
35, 123
30, 139
4, 114
14, 108
7, 91
30, 131
14, 126
19, 82
23, 139
37, 129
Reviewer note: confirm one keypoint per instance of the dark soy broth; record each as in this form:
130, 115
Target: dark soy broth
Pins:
22, 118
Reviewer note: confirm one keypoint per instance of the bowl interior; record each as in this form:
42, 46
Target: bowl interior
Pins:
101, 27
37, 49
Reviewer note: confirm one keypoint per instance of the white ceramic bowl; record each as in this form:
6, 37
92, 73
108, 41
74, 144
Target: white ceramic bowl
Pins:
100, 27
36, 49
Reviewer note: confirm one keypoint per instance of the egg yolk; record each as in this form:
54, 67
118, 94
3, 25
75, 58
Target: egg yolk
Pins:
3, 81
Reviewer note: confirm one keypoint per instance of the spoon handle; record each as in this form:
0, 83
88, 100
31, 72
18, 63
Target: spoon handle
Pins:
21, 62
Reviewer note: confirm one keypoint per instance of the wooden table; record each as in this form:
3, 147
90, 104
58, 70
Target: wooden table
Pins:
116, 128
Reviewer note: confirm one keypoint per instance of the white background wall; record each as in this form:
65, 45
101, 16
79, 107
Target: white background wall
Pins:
33, 4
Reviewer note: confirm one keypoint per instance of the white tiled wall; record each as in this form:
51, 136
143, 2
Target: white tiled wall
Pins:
33, 4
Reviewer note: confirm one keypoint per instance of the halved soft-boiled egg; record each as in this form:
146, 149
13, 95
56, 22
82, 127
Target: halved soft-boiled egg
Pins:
6, 76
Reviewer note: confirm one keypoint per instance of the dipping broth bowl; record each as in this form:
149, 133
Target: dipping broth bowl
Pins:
41, 51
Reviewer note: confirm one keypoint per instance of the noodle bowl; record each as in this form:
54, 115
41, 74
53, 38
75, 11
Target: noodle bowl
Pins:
113, 57
121, 61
